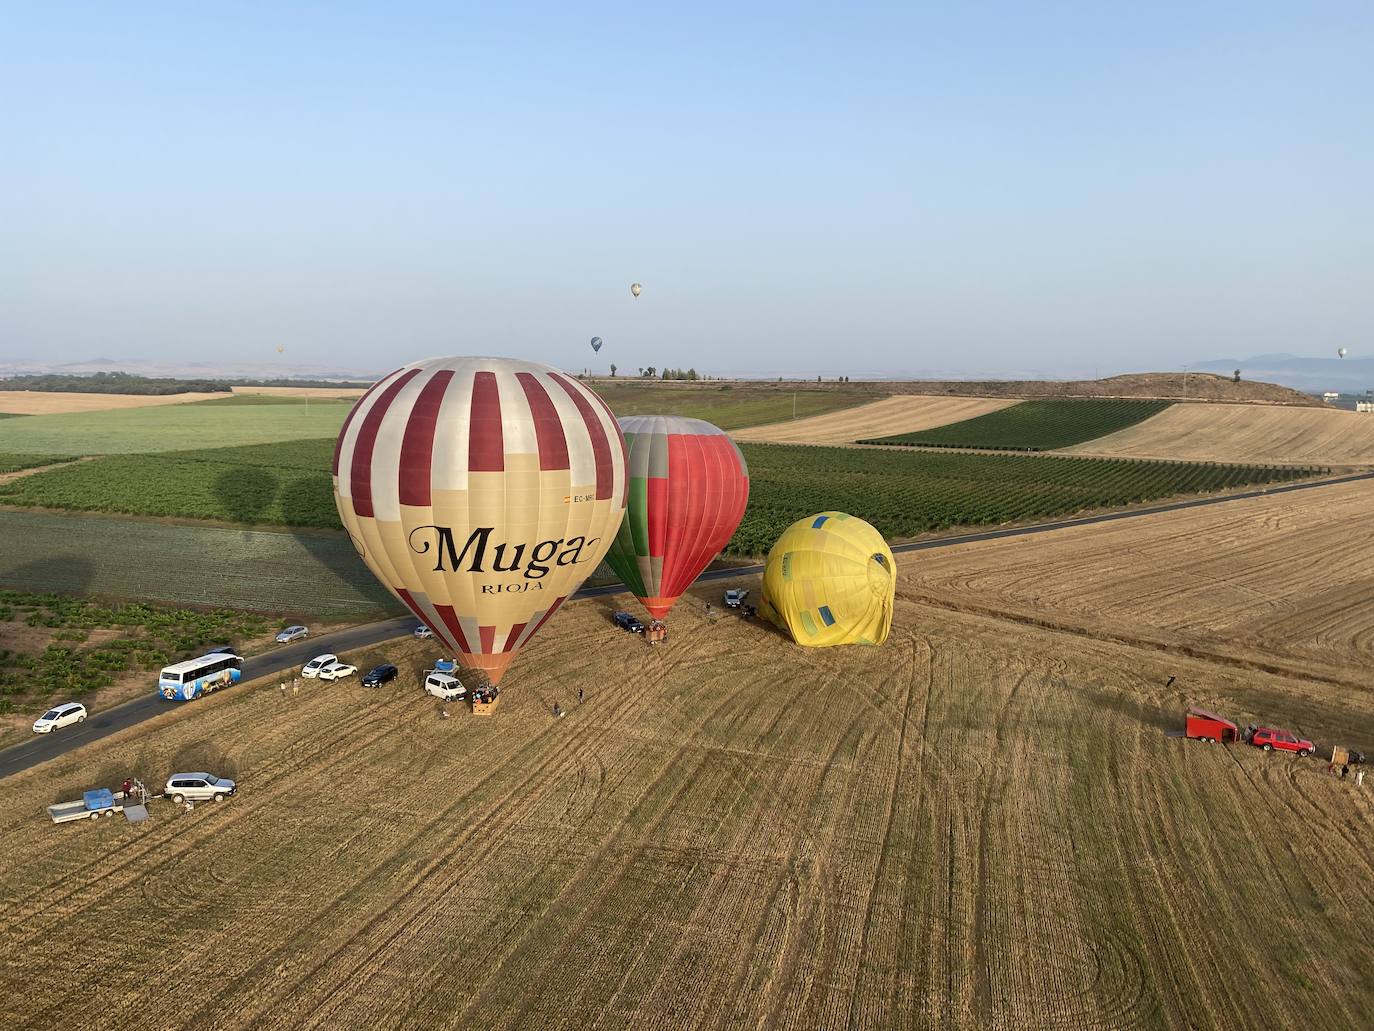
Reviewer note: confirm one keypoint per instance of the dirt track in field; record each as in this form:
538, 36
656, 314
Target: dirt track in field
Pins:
1244, 433
904, 414
38, 402
981, 824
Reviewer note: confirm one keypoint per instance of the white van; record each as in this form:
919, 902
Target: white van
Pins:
445, 687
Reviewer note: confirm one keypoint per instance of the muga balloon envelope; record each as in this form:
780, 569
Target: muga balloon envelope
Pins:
481, 492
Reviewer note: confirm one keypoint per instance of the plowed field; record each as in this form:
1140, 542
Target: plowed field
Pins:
905, 414
981, 824
1244, 433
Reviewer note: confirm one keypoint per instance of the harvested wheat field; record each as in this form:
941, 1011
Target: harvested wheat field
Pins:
1245, 433
39, 402
1284, 583
906, 414
981, 824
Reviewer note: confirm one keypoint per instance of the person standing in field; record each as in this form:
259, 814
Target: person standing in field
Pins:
579, 696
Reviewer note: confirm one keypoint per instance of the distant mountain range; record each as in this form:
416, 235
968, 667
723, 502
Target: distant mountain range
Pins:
1312, 375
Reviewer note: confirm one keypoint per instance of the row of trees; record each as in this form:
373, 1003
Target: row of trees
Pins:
113, 383
654, 372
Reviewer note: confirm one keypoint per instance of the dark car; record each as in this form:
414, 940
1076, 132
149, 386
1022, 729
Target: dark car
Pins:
380, 676
628, 622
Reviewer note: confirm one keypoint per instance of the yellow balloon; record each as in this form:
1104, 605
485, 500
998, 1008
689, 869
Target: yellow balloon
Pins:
829, 580
481, 492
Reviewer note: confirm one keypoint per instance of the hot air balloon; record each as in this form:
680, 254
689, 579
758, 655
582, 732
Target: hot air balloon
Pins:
596, 343
689, 486
830, 580
480, 492
280, 349
635, 288
1340, 352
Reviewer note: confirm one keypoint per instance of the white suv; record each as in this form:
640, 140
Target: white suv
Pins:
198, 787
59, 716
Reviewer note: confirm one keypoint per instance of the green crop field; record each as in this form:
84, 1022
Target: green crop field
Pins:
146, 637
1041, 425
282, 484
731, 406
903, 493
14, 463
170, 428
297, 576
239, 400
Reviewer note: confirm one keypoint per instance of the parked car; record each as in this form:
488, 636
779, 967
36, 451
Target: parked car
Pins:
59, 716
628, 622
337, 671
734, 598
293, 633
445, 687
198, 787
423, 632
312, 668
1270, 738
383, 674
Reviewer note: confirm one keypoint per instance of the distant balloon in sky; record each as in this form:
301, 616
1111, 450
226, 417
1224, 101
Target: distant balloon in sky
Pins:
635, 288
280, 349
596, 343
1340, 352
481, 492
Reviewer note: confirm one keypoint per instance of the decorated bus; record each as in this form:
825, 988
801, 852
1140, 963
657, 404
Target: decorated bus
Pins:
194, 677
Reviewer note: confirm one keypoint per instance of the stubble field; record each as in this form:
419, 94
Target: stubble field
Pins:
1244, 433
901, 414
980, 824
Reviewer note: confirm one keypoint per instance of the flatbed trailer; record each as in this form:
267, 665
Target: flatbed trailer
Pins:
81, 809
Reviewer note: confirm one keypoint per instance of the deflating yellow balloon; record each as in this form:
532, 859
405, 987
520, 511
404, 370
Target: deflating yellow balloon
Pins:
830, 579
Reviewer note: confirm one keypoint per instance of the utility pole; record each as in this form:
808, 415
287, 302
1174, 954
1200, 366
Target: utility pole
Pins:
1185, 383
794, 404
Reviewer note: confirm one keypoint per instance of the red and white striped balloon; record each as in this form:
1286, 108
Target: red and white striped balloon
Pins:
481, 492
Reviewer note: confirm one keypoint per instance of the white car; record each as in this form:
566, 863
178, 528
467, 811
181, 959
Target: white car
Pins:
423, 632
312, 668
198, 787
293, 633
337, 671
59, 716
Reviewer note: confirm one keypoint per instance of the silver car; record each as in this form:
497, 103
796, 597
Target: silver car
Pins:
293, 633
198, 787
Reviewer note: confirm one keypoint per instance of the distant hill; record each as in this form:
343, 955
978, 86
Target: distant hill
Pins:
1314, 375
1192, 386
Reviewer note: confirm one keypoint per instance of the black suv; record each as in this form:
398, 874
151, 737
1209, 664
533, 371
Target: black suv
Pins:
380, 676
628, 622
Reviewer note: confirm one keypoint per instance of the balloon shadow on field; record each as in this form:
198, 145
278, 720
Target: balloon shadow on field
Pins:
307, 508
61, 574
246, 492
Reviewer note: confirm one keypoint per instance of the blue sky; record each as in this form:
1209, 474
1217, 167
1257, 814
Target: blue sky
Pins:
801, 189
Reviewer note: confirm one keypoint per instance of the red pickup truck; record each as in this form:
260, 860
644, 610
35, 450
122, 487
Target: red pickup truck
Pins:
1270, 738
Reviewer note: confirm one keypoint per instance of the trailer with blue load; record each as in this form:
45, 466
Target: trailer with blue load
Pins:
92, 805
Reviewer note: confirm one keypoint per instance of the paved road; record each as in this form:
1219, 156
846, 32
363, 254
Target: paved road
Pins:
41, 748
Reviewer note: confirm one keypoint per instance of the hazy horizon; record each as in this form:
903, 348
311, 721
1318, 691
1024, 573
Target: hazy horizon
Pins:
800, 191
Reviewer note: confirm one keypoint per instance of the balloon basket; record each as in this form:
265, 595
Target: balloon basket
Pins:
656, 633
485, 708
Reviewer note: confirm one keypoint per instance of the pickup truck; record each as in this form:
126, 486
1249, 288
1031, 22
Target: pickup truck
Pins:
92, 805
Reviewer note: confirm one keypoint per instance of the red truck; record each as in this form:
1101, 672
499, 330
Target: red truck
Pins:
1270, 738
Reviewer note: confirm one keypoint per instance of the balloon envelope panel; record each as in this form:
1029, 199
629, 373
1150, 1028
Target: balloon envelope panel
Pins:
481, 492
689, 486
830, 580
